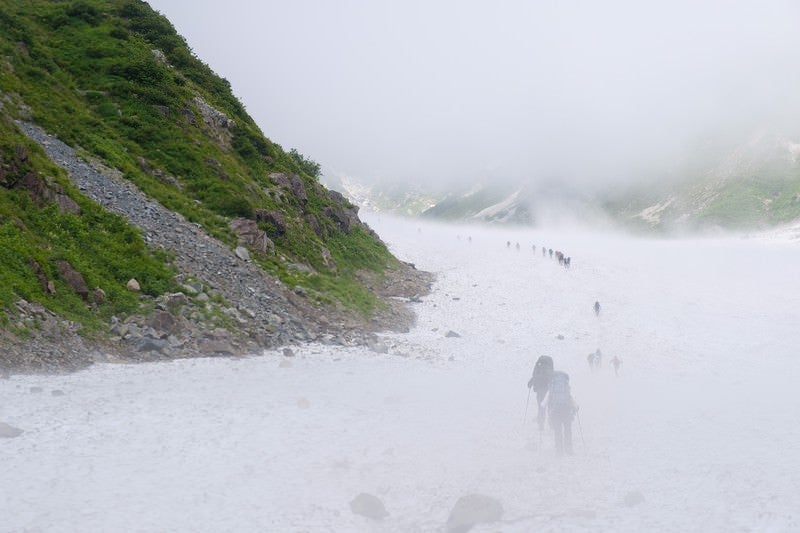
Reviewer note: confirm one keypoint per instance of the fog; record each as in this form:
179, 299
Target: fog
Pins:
698, 432
439, 92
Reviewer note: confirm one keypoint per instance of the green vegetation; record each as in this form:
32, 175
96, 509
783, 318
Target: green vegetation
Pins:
768, 197
102, 246
114, 78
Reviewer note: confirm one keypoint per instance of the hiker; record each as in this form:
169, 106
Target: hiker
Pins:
550, 251
617, 362
517, 247
595, 360
540, 381
596, 308
561, 409
534, 248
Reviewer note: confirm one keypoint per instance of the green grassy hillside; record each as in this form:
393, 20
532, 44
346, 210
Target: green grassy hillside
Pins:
114, 79
754, 188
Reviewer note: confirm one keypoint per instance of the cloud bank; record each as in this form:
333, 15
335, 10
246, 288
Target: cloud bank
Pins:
573, 91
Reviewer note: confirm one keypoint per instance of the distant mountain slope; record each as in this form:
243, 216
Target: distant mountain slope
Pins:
399, 198
486, 204
755, 185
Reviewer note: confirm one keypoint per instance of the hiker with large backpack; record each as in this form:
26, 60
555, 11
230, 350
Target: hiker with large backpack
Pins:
540, 381
561, 409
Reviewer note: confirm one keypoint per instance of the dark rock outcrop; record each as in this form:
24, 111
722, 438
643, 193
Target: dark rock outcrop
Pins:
275, 219
251, 236
291, 183
73, 278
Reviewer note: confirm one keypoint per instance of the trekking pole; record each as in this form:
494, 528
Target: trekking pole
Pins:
580, 428
525, 417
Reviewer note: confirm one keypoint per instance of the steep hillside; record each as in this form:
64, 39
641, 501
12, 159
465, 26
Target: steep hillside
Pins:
113, 80
753, 186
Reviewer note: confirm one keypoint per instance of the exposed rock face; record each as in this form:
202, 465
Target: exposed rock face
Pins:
273, 218
216, 124
250, 236
160, 56
73, 278
343, 213
314, 224
291, 183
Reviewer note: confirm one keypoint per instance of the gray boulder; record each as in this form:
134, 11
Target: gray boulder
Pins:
73, 278
9, 432
368, 505
242, 253
249, 235
163, 322
471, 510
275, 219
633, 498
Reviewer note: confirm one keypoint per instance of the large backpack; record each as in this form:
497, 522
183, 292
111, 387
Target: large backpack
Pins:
542, 372
560, 393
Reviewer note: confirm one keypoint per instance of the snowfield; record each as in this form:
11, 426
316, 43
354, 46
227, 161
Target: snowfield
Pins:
699, 432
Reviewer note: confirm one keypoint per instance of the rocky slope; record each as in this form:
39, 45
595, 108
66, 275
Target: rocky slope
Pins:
165, 224
228, 304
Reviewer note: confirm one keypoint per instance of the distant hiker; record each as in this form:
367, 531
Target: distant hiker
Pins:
567, 262
595, 360
617, 362
561, 409
550, 251
534, 248
508, 244
596, 308
540, 381
544, 251
518, 247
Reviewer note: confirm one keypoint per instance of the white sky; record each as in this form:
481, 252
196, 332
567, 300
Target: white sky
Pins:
525, 90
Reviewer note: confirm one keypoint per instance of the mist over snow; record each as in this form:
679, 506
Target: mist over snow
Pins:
438, 93
697, 433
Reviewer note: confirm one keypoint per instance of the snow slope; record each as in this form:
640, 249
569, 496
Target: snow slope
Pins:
702, 421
